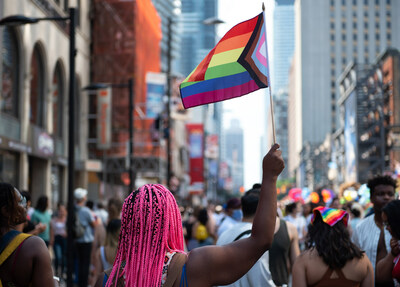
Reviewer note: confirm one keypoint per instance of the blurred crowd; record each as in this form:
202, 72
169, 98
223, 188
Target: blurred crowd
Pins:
371, 228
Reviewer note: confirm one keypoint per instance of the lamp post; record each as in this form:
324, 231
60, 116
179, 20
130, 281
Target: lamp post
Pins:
129, 85
17, 20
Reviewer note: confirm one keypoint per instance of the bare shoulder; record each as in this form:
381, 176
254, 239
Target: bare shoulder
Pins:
304, 256
366, 263
292, 230
34, 245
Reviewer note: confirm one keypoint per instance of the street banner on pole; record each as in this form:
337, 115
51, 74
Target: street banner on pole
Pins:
104, 118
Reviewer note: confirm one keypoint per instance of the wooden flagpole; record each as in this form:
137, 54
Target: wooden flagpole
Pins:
268, 78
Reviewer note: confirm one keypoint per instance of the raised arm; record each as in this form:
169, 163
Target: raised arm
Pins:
221, 265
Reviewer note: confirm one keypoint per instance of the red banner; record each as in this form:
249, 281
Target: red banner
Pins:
196, 150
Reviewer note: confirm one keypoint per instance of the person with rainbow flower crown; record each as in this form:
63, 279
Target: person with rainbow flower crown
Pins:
331, 258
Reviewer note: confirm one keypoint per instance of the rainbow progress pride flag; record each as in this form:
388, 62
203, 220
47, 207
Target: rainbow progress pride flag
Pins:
236, 66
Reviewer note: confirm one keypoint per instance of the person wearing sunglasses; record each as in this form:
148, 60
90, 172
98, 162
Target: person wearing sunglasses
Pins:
24, 259
330, 258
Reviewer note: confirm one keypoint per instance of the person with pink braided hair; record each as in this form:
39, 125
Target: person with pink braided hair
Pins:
151, 244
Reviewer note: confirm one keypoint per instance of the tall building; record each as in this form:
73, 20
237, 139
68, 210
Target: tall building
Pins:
281, 125
233, 153
367, 142
34, 102
282, 51
197, 38
329, 36
169, 10
135, 30
283, 43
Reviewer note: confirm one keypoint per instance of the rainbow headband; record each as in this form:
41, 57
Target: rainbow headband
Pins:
330, 216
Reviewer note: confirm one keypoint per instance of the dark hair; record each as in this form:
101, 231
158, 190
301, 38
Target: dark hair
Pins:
256, 186
42, 203
380, 180
392, 211
90, 204
290, 207
202, 216
8, 200
332, 243
26, 194
113, 226
114, 207
356, 212
249, 202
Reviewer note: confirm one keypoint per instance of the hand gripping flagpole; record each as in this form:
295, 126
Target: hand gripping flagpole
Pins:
268, 78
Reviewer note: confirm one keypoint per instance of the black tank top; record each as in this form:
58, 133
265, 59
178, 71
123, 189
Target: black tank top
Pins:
279, 255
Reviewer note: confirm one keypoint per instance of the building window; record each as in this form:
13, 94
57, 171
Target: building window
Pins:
377, 2
332, 37
58, 100
37, 99
377, 37
354, 2
343, 37
9, 167
355, 37
387, 2
366, 37
10, 71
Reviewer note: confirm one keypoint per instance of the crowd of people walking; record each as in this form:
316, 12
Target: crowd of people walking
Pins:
149, 240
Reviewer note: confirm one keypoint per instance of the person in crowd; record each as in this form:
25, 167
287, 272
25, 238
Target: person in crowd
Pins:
233, 215
84, 243
294, 216
58, 239
283, 252
151, 246
330, 258
42, 215
369, 233
28, 226
114, 206
388, 268
356, 214
101, 213
105, 254
203, 229
259, 274
24, 259
335, 203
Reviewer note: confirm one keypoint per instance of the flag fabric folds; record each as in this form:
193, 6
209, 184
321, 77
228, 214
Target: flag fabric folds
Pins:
236, 66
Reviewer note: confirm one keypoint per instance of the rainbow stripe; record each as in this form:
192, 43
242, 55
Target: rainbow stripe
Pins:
236, 66
330, 216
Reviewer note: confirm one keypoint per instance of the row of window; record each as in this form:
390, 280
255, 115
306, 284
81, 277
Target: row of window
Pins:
11, 93
366, 2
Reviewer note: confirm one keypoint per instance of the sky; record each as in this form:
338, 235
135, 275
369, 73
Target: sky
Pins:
250, 109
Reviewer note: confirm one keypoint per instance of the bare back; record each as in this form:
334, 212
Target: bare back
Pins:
310, 268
